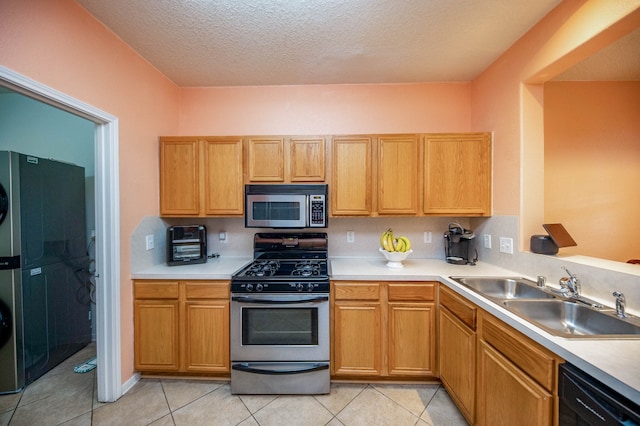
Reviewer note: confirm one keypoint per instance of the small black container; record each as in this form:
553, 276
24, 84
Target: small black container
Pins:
543, 244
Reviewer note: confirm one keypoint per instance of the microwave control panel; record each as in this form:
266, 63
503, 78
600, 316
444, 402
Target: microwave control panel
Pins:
318, 211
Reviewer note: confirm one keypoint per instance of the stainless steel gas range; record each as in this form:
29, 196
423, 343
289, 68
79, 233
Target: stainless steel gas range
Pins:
280, 317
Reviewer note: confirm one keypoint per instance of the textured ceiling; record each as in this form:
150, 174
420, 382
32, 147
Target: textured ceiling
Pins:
274, 42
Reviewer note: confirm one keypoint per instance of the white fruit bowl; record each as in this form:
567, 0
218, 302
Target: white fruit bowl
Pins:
395, 258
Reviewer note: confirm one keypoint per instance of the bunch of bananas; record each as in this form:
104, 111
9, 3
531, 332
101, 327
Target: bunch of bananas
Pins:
390, 243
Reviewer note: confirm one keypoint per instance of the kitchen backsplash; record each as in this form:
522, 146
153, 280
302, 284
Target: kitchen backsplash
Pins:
239, 242
598, 278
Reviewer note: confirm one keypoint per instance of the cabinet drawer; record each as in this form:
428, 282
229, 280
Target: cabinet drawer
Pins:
412, 291
357, 291
539, 364
207, 290
458, 306
155, 289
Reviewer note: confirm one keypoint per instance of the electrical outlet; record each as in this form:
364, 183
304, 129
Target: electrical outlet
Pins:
222, 236
149, 241
351, 237
427, 237
506, 245
487, 241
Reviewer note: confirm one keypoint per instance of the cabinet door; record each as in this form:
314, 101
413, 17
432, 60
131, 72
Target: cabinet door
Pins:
351, 176
179, 177
398, 175
457, 174
507, 396
223, 186
266, 160
207, 336
411, 339
357, 339
458, 362
156, 338
307, 160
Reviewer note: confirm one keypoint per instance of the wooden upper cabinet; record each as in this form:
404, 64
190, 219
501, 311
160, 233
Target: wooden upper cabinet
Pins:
179, 176
223, 178
411, 174
307, 160
398, 174
266, 159
201, 176
351, 176
457, 174
286, 159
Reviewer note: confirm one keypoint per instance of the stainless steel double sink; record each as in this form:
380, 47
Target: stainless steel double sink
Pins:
559, 316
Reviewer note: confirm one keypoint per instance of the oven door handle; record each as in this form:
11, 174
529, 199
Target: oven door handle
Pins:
249, 299
247, 369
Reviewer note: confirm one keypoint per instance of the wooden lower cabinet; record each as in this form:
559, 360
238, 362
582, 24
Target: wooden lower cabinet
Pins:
507, 395
357, 339
495, 374
181, 326
383, 330
457, 350
157, 343
517, 377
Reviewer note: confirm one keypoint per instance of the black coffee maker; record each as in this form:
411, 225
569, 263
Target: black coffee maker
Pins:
460, 245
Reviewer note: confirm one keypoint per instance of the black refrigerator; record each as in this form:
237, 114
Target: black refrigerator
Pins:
44, 267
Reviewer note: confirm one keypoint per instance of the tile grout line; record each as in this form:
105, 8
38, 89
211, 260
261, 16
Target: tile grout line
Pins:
166, 399
395, 402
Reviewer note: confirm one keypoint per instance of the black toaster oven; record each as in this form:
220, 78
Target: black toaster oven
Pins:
186, 244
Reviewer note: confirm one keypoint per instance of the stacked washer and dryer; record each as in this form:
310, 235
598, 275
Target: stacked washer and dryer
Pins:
45, 284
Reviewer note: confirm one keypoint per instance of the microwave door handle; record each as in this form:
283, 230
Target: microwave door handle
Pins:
246, 368
249, 299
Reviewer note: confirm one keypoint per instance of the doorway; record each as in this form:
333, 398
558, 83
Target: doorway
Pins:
107, 226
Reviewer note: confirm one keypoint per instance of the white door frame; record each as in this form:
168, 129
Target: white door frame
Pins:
107, 208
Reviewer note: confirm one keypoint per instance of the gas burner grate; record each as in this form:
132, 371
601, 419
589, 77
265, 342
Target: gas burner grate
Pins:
263, 268
306, 269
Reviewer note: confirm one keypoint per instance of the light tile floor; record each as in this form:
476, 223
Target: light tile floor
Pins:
62, 397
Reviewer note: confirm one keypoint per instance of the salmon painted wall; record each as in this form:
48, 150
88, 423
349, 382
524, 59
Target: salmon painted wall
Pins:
592, 165
508, 97
59, 44
325, 109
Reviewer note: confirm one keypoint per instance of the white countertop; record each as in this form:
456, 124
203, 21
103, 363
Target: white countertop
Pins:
220, 268
614, 362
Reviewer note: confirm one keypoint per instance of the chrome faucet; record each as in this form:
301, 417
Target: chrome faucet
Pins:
620, 302
572, 283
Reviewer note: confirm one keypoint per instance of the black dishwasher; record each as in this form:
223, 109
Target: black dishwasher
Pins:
586, 401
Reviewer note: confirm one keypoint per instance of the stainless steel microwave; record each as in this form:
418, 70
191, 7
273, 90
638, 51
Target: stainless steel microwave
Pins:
286, 206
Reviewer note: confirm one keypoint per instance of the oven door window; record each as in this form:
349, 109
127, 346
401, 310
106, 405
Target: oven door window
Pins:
280, 326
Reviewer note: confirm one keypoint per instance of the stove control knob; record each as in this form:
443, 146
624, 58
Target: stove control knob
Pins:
249, 287
310, 287
300, 287
258, 287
